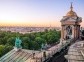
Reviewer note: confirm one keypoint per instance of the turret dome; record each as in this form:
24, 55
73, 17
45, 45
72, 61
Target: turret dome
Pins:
71, 13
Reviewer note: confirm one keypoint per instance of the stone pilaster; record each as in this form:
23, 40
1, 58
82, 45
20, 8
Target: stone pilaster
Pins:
62, 32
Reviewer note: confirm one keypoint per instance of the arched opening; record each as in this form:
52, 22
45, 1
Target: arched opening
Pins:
68, 32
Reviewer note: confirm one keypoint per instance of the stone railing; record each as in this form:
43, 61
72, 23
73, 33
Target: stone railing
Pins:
41, 57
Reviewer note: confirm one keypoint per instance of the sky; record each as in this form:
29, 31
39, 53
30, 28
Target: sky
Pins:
37, 12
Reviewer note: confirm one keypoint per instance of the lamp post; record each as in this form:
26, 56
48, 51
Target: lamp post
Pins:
43, 47
44, 55
33, 53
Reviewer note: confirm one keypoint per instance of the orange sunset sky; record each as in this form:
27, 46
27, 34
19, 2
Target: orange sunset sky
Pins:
38, 13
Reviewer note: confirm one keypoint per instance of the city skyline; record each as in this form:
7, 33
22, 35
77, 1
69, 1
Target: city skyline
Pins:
37, 12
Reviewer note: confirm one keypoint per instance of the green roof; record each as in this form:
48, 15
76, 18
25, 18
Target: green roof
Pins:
17, 56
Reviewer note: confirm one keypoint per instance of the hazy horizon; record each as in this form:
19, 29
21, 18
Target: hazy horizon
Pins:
38, 13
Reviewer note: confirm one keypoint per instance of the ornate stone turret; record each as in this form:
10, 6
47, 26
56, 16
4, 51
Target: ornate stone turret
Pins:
70, 25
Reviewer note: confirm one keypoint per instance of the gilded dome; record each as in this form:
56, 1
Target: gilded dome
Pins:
71, 14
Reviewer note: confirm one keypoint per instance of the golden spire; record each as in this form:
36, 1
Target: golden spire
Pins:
71, 6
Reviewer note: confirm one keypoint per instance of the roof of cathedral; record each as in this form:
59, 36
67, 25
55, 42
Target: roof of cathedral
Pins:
17, 56
76, 52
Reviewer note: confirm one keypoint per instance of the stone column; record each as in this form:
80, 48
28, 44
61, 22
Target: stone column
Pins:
65, 33
78, 31
73, 30
62, 32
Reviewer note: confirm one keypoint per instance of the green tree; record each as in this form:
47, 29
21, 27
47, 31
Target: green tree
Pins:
25, 42
40, 40
33, 45
1, 50
11, 41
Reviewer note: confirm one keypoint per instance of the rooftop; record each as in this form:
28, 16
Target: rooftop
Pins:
76, 52
17, 56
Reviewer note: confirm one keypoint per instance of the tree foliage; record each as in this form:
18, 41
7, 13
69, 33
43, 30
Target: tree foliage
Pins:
29, 40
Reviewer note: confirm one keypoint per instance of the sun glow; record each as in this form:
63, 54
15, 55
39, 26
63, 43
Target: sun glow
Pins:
35, 13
